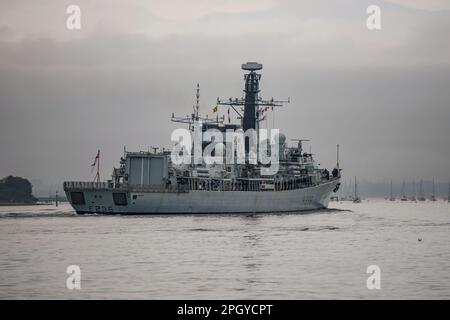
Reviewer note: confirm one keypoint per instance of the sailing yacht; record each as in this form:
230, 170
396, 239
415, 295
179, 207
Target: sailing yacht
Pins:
413, 196
404, 197
421, 195
357, 199
448, 197
392, 198
433, 196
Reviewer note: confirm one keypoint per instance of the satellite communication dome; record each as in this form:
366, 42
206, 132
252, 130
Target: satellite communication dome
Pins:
281, 137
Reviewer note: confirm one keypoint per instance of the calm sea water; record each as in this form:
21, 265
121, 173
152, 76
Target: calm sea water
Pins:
272, 256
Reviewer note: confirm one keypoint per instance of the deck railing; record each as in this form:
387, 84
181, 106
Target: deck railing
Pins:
204, 184
71, 185
85, 185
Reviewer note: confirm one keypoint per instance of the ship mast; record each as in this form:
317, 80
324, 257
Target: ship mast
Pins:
404, 198
251, 102
392, 196
413, 197
195, 117
337, 157
433, 196
448, 199
357, 199
197, 104
421, 192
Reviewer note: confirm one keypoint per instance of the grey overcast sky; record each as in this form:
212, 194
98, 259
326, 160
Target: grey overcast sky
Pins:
383, 95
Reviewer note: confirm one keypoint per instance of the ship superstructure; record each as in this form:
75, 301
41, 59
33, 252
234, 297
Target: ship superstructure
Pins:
154, 183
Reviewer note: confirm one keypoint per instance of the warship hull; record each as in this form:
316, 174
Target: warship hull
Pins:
194, 177
101, 200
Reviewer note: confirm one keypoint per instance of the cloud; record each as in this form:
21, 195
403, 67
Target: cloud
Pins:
429, 5
181, 10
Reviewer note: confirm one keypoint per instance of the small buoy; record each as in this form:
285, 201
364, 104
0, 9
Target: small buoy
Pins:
420, 239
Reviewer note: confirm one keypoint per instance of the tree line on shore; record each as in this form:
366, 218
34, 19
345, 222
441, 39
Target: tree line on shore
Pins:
16, 190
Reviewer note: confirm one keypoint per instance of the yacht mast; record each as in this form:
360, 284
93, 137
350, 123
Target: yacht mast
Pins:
392, 196
413, 197
404, 198
357, 198
433, 196
421, 195
448, 191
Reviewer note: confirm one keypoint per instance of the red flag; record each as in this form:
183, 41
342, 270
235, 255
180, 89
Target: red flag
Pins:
97, 157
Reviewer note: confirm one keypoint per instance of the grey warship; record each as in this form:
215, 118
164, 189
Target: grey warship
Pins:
152, 183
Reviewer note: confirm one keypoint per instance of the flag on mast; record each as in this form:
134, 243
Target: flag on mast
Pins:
96, 163
97, 158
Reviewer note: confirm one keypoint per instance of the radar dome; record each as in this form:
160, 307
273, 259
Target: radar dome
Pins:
281, 138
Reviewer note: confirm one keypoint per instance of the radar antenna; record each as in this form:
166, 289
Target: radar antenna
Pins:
195, 117
300, 147
251, 102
